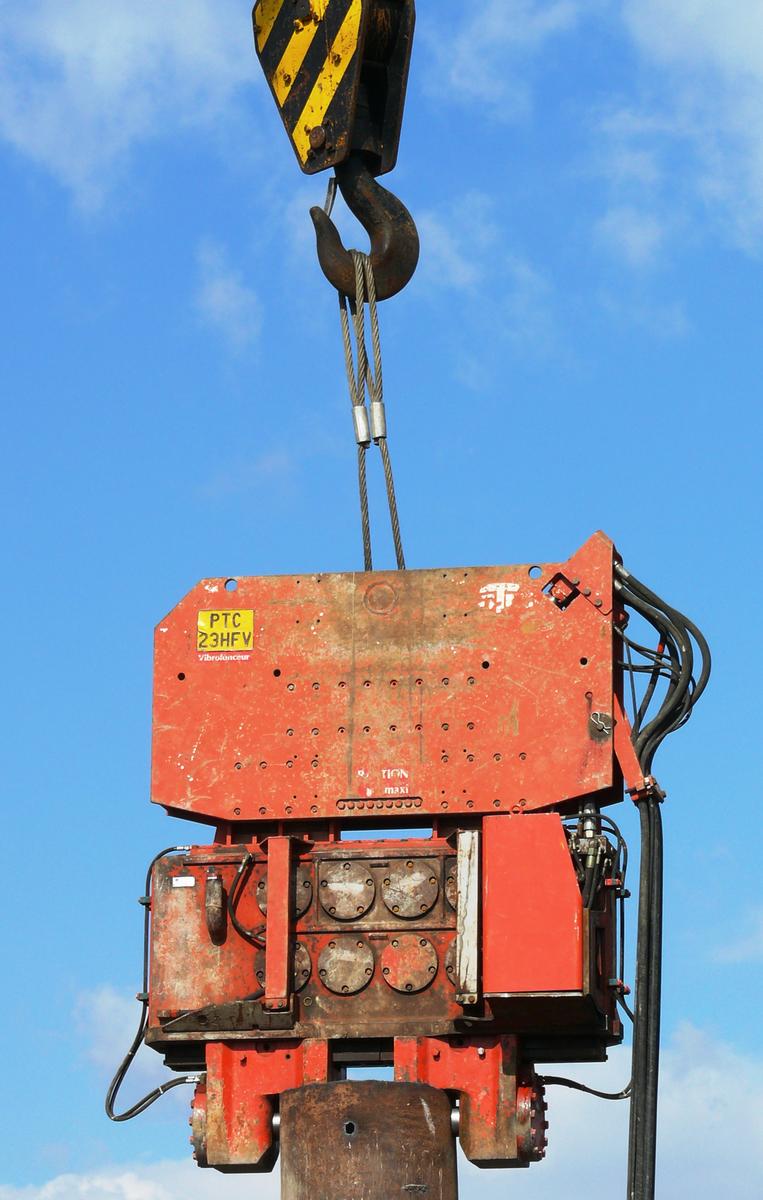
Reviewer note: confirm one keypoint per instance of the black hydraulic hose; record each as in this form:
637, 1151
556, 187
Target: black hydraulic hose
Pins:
641, 1015
119, 1077
588, 886
655, 1000
251, 935
663, 624
642, 1147
678, 617
676, 683
688, 631
651, 687
559, 1081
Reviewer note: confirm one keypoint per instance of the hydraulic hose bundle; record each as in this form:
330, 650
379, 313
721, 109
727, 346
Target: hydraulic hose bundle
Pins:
671, 665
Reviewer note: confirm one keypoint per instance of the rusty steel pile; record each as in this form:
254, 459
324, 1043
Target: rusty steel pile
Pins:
488, 704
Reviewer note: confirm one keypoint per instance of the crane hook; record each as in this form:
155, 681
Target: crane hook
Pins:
389, 225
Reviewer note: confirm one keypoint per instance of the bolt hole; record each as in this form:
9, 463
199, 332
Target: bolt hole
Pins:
181, 675
535, 572
584, 662
485, 665
277, 672
349, 1128
231, 585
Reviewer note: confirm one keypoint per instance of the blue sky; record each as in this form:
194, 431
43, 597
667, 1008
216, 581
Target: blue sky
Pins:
579, 349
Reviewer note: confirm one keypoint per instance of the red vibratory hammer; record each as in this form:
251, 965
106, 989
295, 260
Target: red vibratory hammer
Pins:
313, 721
408, 775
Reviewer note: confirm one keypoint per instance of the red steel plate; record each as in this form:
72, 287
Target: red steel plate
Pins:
391, 693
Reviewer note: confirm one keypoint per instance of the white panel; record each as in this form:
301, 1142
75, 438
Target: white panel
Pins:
467, 917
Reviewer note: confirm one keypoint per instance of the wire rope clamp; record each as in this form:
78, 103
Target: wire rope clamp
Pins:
362, 428
378, 420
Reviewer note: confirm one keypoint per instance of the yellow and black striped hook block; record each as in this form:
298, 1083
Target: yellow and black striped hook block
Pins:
338, 70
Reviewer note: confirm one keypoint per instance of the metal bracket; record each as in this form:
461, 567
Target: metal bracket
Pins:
235, 1017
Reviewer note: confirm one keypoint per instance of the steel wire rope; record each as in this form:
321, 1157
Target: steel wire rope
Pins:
356, 385
365, 379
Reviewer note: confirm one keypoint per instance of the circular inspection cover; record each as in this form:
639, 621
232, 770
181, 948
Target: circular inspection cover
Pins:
346, 965
301, 968
410, 887
380, 598
302, 891
409, 963
347, 889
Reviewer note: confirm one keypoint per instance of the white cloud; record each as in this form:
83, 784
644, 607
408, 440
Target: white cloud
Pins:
224, 301
698, 122
747, 946
632, 234
458, 242
727, 37
666, 320
107, 1020
82, 83
706, 1086
478, 60
170, 1180
527, 306
465, 250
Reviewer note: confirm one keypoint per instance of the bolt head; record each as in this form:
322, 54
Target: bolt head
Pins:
317, 137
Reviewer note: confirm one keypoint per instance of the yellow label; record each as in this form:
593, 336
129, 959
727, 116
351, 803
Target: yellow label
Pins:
228, 632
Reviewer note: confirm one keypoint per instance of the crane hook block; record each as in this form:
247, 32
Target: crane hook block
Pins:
338, 70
